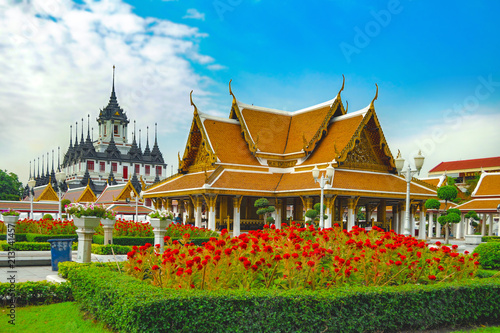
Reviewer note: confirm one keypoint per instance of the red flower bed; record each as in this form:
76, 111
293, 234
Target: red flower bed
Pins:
299, 258
45, 227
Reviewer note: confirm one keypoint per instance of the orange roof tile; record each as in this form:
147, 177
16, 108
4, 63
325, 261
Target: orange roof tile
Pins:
489, 185
339, 134
251, 181
228, 143
109, 193
130, 209
354, 181
484, 205
304, 125
477, 163
188, 181
73, 194
431, 181
23, 206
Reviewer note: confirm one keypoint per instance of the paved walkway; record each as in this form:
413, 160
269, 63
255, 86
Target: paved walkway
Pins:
39, 273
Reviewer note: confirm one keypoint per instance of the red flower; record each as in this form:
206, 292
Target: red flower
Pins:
137, 268
398, 263
310, 263
286, 256
155, 267
278, 257
228, 251
432, 277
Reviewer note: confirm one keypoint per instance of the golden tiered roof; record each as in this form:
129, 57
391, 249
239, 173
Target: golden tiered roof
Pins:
272, 152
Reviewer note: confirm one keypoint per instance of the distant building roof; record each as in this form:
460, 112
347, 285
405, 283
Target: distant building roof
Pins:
490, 163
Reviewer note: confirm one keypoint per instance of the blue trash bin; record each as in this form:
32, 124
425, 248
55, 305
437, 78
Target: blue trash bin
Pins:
60, 250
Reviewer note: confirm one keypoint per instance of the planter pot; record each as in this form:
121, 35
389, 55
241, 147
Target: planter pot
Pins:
160, 224
108, 222
86, 222
473, 239
10, 219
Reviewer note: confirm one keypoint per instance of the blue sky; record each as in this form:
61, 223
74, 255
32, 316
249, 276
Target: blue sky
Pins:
436, 65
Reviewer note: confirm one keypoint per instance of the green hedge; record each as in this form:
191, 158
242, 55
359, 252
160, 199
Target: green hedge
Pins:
66, 266
43, 238
35, 293
491, 239
124, 240
106, 249
129, 305
138, 241
19, 237
489, 254
25, 246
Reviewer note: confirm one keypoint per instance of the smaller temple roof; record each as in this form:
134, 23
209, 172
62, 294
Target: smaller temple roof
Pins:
80, 194
130, 209
116, 193
488, 185
467, 165
45, 193
25, 206
482, 205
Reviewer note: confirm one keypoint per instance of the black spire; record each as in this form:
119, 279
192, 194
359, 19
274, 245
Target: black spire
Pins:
82, 140
157, 179
58, 158
42, 177
88, 141
136, 183
140, 140
38, 176
111, 178
69, 154
86, 180
156, 154
30, 171
134, 153
147, 152
53, 174
112, 110
87, 149
76, 147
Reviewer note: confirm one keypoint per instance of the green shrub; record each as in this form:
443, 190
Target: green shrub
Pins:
487, 273
489, 254
25, 246
36, 293
106, 249
45, 238
19, 237
124, 240
48, 217
66, 266
127, 304
491, 239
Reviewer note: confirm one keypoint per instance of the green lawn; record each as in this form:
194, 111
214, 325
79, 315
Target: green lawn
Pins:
61, 317
481, 330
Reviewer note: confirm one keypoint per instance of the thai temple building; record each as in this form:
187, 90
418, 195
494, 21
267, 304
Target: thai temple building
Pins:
229, 163
113, 157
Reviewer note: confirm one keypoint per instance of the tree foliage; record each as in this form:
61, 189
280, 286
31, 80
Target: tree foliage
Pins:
263, 206
10, 186
432, 204
447, 193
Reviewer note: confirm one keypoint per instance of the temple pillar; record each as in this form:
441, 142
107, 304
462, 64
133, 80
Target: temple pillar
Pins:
278, 211
197, 207
298, 210
236, 215
402, 214
460, 226
413, 210
351, 212
211, 200
180, 209
421, 227
438, 225
395, 218
283, 211
223, 213
381, 212
483, 225
330, 206
490, 229
431, 224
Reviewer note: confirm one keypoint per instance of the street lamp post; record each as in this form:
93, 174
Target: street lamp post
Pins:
132, 196
31, 184
323, 180
419, 161
60, 178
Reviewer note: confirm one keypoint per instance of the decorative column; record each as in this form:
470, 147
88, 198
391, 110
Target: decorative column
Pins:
211, 200
421, 229
402, 213
413, 209
198, 204
330, 206
460, 226
395, 215
85, 231
191, 212
159, 230
483, 225
351, 208
490, 229
277, 219
431, 223
108, 226
381, 212
236, 215
438, 225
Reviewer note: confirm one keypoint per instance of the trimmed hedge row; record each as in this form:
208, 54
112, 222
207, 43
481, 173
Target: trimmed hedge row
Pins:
489, 254
491, 239
106, 249
19, 237
139, 241
25, 246
127, 304
35, 293
44, 238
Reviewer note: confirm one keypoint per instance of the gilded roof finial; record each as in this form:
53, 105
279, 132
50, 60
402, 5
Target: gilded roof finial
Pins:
191, 99
399, 154
230, 90
346, 106
374, 98
343, 83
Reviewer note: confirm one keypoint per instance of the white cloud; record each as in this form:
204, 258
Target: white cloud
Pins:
56, 62
216, 67
192, 13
